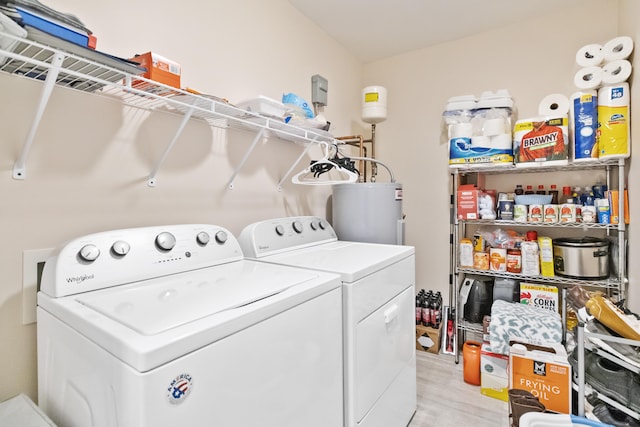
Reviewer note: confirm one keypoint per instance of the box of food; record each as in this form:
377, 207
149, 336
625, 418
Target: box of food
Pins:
159, 69
467, 202
544, 371
546, 256
494, 374
541, 296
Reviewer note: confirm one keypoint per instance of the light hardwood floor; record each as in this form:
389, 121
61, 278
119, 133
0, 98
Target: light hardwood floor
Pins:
445, 400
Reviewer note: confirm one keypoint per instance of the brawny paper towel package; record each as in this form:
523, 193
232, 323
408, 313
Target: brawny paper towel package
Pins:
541, 141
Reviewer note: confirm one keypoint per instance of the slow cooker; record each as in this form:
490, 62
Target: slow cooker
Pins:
581, 258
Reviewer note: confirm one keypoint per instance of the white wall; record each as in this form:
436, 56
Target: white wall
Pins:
91, 157
88, 167
531, 58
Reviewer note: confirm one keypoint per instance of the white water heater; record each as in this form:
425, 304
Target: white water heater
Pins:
368, 212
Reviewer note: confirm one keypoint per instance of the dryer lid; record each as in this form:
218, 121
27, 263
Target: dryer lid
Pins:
352, 260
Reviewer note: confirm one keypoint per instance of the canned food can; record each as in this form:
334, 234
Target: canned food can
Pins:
536, 213
551, 213
520, 213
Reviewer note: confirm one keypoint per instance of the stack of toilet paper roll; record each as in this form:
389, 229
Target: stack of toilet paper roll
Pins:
479, 129
599, 111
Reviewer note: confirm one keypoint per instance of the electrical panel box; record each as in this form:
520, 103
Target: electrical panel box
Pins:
319, 90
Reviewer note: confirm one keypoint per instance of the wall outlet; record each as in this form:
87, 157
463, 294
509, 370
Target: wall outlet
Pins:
32, 265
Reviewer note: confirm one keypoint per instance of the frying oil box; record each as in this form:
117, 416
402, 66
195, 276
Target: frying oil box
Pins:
544, 371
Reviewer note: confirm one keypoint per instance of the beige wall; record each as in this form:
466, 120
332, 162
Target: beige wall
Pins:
88, 167
91, 157
531, 58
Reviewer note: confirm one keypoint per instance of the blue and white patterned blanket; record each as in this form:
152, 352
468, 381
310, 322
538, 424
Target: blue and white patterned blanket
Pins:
522, 322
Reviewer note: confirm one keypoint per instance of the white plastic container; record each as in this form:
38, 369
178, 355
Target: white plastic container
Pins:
264, 106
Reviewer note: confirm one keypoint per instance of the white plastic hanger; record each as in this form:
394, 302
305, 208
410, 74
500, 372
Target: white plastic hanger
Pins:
308, 177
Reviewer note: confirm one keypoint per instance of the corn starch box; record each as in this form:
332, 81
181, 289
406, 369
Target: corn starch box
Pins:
541, 296
541, 140
544, 371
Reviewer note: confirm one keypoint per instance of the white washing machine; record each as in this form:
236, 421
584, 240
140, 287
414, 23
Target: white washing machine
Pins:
379, 311
171, 326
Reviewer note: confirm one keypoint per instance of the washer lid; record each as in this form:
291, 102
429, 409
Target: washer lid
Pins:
352, 260
157, 305
149, 323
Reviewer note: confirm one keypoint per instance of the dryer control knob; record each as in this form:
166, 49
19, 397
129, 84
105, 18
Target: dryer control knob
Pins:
221, 237
120, 248
297, 226
89, 252
165, 241
314, 225
203, 238
279, 230
321, 224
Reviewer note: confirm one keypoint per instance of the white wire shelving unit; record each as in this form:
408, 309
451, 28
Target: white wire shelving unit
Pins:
112, 77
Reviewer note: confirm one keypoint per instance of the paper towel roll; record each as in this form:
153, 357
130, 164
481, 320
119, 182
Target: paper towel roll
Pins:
555, 104
588, 78
481, 141
461, 130
590, 55
617, 48
492, 127
583, 120
616, 72
502, 141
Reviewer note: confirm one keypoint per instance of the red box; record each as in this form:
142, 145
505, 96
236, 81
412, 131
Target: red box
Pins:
468, 201
159, 69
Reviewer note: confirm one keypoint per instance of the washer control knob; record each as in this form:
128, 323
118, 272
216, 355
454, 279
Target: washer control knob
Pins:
297, 226
203, 238
314, 225
89, 252
221, 237
279, 230
165, 241
120, 247
321, 224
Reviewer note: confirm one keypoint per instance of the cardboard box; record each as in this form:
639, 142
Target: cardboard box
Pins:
428, 339
494, 374
468, 202
543, 371
159, 69
542, 296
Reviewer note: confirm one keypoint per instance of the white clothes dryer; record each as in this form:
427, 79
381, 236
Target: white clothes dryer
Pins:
171, 326
379, 297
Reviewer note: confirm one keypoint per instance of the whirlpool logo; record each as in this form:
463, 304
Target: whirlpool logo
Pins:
80, 279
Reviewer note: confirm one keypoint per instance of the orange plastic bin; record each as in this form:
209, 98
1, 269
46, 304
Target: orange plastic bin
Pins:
471, 362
